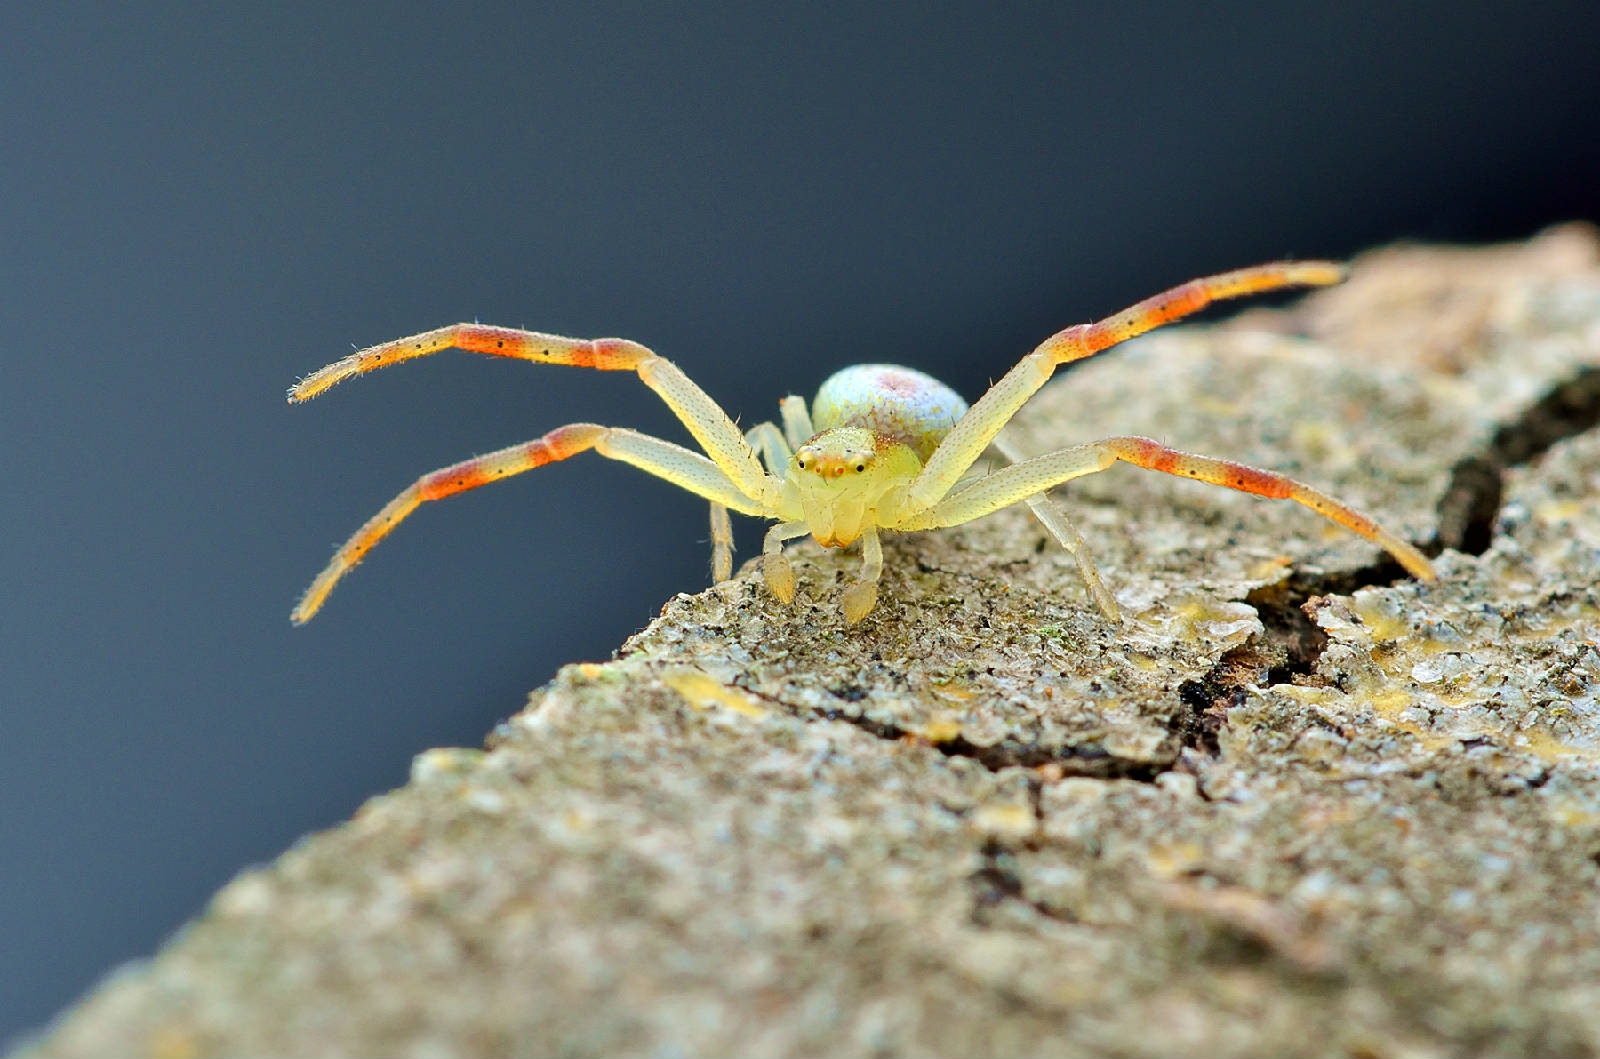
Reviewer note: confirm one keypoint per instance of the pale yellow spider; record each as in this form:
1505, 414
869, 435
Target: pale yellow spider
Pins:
881, 448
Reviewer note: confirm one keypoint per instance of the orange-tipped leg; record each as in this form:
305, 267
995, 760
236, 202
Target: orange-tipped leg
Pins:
705, 419
1084, 340
603, 354
977, 428
1032, 477
469, 474
674, 463
1143, 452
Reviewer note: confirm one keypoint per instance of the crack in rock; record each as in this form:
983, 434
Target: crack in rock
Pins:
1293, 642
1289, 647
1092, 762
998, 880
1466, 512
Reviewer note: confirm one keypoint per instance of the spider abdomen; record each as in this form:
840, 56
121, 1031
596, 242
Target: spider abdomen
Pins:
901, 404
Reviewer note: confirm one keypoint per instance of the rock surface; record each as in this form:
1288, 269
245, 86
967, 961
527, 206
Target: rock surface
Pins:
1295, 804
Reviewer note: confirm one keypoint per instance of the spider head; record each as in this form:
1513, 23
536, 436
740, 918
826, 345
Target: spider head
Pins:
845, 477
838, 453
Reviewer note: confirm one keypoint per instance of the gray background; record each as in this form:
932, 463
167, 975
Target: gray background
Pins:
197, 206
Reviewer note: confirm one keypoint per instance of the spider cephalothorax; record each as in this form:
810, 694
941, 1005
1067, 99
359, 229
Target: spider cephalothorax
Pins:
881, 448
832, 454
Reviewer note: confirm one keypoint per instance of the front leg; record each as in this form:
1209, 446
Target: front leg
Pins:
974, 431
703, 417
678, 465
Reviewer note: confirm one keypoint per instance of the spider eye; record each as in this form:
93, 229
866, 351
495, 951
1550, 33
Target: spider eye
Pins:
860, 467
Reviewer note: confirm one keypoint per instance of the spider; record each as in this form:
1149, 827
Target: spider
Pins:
881, 448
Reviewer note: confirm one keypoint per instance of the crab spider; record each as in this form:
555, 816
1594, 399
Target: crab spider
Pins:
881, 448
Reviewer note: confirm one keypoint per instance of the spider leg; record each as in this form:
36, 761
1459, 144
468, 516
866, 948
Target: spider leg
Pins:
768, 440
1060, 527
1030, 477
704, 418
857, 600
765, 439
797, 426
721, 544
676, 464
974, 431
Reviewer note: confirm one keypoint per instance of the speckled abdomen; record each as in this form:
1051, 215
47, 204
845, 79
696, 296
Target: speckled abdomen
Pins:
901, 403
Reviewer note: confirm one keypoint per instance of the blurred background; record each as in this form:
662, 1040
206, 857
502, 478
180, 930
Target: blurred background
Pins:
199, 204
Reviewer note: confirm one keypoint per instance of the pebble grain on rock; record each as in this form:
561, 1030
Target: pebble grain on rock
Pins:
1297, 804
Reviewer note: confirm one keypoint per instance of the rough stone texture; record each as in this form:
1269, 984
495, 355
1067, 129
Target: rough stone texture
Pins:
1296, 804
